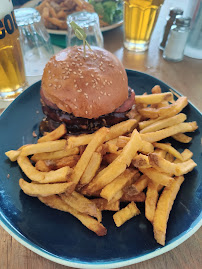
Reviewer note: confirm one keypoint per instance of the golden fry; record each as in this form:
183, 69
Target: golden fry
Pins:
35, 189
125, 214
54, 135
56, 202
163, 209
183, 138
151, 200
153, 98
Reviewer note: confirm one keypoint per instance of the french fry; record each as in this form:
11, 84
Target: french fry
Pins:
56, 202
157, 176
140, 197
183, 138
140, 184
151, 200
168, 111
165, 166
164, 123
154, 98
117, 184
32, 173
145, 147
160, 152
49, 146
170, 149
118, 166
163, 209
55, 164
82, 204
125, 214
156, 89
141, 161
54, 135
35, 190
102, 204
58, 154
42, 166
114, 131
186, 154
169, 157
146, 123
13, 155
91, 169
170, 131
81, 165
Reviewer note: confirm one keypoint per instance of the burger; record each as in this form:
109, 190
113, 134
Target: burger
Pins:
84, 93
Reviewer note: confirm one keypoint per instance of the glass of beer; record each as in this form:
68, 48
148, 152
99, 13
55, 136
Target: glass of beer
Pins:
140, 17
12, 75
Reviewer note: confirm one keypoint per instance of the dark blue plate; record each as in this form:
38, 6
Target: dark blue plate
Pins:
59, 236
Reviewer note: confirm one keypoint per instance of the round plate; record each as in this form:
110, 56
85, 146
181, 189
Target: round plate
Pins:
34, 3
59, 236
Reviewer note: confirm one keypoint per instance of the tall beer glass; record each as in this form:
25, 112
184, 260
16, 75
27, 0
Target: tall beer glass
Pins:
12, 75
140, 17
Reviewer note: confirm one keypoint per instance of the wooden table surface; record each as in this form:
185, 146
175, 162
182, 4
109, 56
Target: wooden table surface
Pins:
185, 77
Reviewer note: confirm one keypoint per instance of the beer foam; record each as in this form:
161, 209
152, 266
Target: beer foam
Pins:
6, 6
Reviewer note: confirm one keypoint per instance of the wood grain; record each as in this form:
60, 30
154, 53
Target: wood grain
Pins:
185, 77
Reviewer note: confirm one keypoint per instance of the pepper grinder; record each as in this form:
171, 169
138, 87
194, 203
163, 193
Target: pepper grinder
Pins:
170, 21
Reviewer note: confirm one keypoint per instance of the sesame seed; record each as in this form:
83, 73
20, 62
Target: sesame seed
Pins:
50, 84
74, 99
90, 106
75, 85
74, 80
109, 94
81, 76
74, 73
73, 63
80, 90
70, 69
99, 97
98, 79
86, 112
87, 84
92, 75
80, 64
59, 86
49, 71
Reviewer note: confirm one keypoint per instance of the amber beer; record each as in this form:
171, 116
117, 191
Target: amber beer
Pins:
12, 75
140, 17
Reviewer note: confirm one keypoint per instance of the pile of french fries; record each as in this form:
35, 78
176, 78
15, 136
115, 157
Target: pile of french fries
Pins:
114, 168
54, 12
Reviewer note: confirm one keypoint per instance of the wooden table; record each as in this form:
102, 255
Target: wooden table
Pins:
185, 77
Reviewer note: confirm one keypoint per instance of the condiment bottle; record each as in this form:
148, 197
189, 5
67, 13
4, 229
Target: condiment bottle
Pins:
174, 50
170, 21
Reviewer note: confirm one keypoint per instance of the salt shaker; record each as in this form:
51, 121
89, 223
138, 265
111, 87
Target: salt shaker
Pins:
170, 21
174, 50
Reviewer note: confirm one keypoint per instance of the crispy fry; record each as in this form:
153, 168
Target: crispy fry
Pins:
140, 184
56, 202
168, 111
118, 166
165, 166
34, 189
164, 207
145, 147
114, 131
82, 204
32, 173
102, 204
125, 214
91, 169
42, 166
164, 123
13, 155
117, 184
183, 138
156, 89
168, 148
153, 98
141, 161
49, 146
54, 135
80, 167
139, 197
159, 135
58, 154
157, 176
151, 200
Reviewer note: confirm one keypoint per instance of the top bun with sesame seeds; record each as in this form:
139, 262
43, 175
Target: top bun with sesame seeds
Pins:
85, 87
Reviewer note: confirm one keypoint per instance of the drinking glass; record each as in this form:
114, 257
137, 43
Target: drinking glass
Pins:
35, 40
90, 23
12, 74
140, 17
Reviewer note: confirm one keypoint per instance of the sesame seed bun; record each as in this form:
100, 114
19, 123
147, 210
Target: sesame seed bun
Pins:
86, 87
